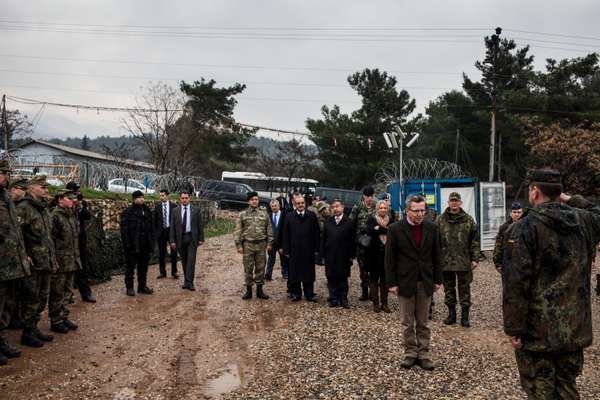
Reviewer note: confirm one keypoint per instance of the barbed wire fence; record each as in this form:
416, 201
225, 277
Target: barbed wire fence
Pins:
419, 168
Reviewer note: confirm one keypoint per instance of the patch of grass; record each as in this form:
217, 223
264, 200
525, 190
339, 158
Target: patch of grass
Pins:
218, 227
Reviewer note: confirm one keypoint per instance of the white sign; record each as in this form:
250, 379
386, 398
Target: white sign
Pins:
492, 209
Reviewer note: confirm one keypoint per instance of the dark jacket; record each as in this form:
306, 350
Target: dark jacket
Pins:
375, 260
82, 215
276, 229
300, 244
404, 263
178, 229
338, 247
158, 216
546, 276
137, 232
36, 225
460, 240
13, 257
65, 234
499, 246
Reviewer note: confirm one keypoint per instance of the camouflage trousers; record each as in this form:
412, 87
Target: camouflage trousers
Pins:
7, 295
464, 279
255, 260
35, 290
60, 292
361, 254
549, 375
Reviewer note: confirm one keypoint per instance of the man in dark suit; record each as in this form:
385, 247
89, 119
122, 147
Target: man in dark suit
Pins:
162, 227
413, 272
186, 234
276, 217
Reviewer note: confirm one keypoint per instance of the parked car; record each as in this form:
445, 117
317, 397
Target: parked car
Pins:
228, 194
127, 186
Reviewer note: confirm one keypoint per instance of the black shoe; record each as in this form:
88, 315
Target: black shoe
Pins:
364, 294
59, 328
260, 294
408, 362
130, 292
426, 364
296, 298
3, 359
311, 298
89, 298
464, 317
333, 303
70, 324
344, 304
29, 338
175, 276
248, 293
7, 350
451, 320
191, 288
161, 276
42, 336
145, 290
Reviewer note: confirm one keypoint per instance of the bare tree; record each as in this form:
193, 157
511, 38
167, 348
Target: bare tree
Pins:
292, 158
153, 122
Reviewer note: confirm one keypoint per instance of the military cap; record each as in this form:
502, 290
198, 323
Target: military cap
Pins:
321, 206
4, 165
454, 196
545, 176
38, 180
368, 191
251, 195
66, 193
136, 194
19, 184
516, 205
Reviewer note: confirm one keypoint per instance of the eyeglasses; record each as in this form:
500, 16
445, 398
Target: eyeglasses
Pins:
417, 211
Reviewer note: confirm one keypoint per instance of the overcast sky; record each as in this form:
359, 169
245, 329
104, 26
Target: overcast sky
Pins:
290, 72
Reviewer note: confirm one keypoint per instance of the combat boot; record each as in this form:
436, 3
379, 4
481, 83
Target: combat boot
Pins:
451, 320
70, 324
29, 338
260, 294
375, 297
597, 284
7, 350
42, 336
383, 292
365, 293
248, 294
59, 328
3, 360
464, 317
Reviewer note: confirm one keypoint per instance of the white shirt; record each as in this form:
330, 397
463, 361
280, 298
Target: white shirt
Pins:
166, 211
300, 213
338, 219
188, 223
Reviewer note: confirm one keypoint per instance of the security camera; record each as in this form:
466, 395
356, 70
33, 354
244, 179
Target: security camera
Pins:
413, 140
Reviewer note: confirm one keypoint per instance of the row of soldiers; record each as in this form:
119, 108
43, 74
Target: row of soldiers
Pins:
39, 254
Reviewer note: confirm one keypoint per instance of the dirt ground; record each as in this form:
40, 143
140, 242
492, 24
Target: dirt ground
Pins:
178, 344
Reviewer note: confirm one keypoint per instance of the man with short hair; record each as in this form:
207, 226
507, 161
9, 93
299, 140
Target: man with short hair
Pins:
253, 239
276, 217
185, 235
546, 295
14, 263
137, 236
460, 256
413, 272
515, 214
359, 215
162, 228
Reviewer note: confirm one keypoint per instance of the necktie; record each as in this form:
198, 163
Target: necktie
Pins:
184, 222
274, 220
164, 215
337, 220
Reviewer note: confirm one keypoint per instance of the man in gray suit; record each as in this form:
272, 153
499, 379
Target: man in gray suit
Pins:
187, 233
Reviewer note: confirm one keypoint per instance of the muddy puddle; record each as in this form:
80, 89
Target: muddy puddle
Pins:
228, 380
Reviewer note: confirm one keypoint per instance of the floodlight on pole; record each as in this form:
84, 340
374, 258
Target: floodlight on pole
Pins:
413, 140
387, 140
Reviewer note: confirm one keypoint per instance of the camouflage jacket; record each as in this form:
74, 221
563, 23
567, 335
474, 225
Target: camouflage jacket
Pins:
360, 214
65, 234
546, 276
460, 241
253, 224
499, 246
36, 225
13, 258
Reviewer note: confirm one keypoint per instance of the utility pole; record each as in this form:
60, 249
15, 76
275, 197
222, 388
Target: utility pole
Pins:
456, 146
499, 157
495, 43
4, 123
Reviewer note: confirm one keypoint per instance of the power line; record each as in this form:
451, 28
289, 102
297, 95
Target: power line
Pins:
554, 34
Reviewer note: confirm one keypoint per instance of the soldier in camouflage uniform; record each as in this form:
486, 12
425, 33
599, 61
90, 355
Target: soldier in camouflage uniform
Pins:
18, 189
13, 260
515, 213
359, 215
460, 255
36, 225
65, 234
253, 238
546, 287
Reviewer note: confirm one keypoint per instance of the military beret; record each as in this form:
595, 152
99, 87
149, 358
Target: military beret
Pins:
38, 180
5, 165
19, 184
72, 185
136, 194
516, 205
368, 191
251, 195
454, 196
66, 193
545, 176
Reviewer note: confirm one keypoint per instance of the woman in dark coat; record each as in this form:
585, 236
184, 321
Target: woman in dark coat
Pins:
338, 248
377, 229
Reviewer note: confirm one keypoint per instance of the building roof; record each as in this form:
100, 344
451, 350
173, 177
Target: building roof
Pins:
88, 154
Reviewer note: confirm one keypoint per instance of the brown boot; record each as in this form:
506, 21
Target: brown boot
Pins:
384, 299
375, 297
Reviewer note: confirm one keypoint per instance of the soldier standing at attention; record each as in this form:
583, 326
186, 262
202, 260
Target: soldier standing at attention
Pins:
14, 263
254, 238
36, 225
65, 233
515, 213
359, 215
546, 295
460, 256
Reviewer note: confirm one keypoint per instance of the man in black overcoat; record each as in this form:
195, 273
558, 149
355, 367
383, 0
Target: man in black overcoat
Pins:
301, 246
338, 248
